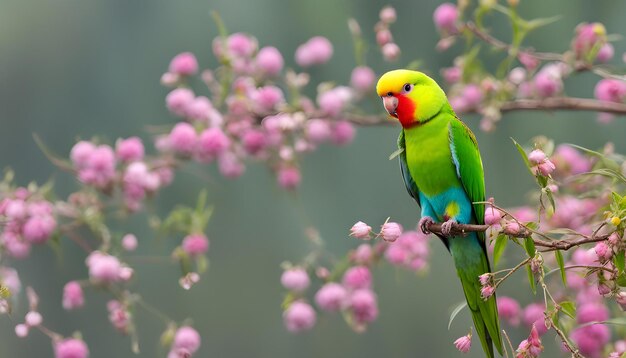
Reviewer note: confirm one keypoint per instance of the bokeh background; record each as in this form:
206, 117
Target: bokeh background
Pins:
74, 69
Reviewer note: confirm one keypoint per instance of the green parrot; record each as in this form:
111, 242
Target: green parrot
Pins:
443, 172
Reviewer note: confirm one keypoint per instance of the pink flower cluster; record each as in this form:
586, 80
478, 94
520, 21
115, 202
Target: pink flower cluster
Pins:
530, 347
410, 251
102, 167
105, 268
384, 38
71, 348
30, 220
540, 163
252, 118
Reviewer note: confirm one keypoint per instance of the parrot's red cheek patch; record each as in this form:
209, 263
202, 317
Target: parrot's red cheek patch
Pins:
406, 111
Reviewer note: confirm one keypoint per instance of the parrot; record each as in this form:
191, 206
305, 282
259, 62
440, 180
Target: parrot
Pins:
443, 172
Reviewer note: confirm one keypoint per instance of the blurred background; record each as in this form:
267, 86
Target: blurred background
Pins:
73, 69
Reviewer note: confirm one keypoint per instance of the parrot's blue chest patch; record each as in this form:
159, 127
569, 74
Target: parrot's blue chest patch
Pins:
451, 204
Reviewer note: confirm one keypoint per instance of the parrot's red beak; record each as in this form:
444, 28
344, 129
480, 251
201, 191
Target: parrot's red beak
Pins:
391, 105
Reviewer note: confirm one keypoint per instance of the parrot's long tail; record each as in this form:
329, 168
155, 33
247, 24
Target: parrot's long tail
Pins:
470, 259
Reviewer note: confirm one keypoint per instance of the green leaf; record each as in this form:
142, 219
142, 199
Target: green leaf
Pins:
559, 260
522, 152
621, 280
396, 153
455, 312
618, 260
531, 279
529, 245
608, 173
498, 248
540, 22
569, 308
550, 198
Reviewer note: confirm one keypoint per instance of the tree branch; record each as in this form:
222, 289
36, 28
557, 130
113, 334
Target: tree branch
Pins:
564, 103
563, 245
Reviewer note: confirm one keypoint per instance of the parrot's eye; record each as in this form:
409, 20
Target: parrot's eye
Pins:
407, 88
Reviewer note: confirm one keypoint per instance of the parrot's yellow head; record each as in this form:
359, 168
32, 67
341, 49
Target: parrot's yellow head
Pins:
410, 96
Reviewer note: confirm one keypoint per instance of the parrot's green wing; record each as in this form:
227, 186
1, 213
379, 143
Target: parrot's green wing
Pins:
473, 262
469, 167
409, 183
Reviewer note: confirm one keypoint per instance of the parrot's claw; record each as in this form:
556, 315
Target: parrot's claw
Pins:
446, 227
423, 224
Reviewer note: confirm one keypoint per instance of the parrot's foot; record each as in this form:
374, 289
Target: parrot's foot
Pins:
446, 227
423, 224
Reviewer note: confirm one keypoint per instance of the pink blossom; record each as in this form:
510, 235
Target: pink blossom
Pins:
362, 78
212, 143
364, 306
178, 100
318, 130
445, 17
241, 45
588, 35
103, 268
362, 254
391, 51
357, 277
391, 231
463, 344
387, 15
81, 152
15, 246
485, 279
331, 297
591, 339
71, 348
118, 315
548, 81
200, 109
611, 90
183, 138
33, 318
528, 60
487, 291
73, 296
129, 149
343, 133
606, 52
195, 245
333, 101
530, 347
38, 229
267, 98
360, 230
254, 141
512, 228
21, 330
299, 316
288, 177
184, 64
187, 338
493, 216
546, 168
100, 167
534, 315
230, 165
591, 312
129, 242
315, 51
383, 37
269, 61
568, 158
537, 156
452, 74
295, 279
603, 251
509, 309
